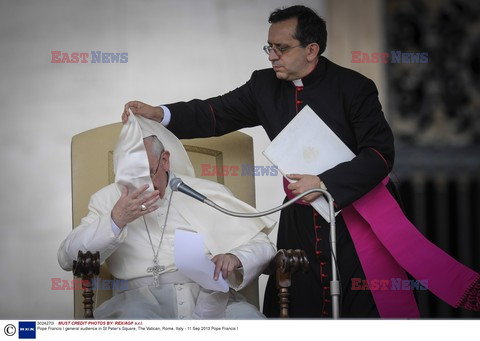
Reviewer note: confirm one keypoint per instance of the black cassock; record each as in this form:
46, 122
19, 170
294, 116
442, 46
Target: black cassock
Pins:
348, 103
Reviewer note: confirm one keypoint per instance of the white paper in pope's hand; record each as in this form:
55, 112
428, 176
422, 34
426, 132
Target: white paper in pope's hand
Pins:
308, 146
191, 261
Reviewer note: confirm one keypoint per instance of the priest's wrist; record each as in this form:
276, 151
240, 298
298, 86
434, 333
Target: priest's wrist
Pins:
159, 114
322, 184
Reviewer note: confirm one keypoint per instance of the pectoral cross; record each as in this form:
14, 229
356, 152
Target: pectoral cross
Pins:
155, 270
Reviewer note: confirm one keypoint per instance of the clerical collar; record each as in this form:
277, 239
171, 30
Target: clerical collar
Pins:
297, 82
317, 74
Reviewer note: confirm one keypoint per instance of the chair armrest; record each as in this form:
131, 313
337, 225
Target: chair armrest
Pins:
86, 266
285, 264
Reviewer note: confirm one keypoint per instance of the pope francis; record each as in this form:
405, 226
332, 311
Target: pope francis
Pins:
132, 224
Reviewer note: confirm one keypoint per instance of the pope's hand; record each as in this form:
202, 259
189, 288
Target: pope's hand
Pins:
129, 206
142, 109
304, 183
225, 263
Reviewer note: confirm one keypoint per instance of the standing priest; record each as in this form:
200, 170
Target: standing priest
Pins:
348, 103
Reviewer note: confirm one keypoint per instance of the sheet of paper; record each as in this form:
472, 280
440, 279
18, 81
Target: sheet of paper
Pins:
192, 262
308, 146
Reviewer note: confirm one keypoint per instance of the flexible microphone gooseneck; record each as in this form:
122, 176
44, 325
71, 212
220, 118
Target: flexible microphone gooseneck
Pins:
176, 184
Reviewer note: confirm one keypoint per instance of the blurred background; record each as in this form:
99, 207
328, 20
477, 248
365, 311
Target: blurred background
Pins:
179, 50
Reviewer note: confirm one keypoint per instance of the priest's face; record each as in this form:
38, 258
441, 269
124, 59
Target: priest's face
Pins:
289, 59
159, 167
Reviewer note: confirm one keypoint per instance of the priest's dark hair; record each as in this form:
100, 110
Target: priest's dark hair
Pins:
311, 28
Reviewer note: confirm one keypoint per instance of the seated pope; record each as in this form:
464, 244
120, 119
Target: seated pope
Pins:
132, 223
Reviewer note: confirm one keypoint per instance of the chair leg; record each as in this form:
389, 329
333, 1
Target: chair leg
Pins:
87, 297
287, 263
283, 301
87, 266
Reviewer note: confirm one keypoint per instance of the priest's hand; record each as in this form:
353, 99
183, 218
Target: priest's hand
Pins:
129, 206
304, 183
142, 109
225, 263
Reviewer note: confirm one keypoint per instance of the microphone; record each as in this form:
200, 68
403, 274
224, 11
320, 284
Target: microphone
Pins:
176, 184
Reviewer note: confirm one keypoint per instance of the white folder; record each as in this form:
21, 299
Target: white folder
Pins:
308, 146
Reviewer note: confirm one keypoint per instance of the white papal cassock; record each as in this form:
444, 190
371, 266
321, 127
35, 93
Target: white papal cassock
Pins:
128, 252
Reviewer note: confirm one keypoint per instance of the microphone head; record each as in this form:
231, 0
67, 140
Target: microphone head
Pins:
175, 183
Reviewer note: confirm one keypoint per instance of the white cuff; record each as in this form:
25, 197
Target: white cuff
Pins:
115, 229
167, 115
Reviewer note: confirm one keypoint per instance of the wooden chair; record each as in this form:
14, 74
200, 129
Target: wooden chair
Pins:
92, 169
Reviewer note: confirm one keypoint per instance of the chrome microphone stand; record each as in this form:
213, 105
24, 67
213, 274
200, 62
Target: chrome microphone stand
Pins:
334, 283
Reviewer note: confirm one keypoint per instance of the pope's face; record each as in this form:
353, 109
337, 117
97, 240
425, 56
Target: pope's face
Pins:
292, 63
159, 168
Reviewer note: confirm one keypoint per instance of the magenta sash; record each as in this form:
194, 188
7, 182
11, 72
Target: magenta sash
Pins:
388, 244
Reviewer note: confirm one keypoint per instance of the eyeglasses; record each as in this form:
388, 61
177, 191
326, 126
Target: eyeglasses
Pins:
278, 50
